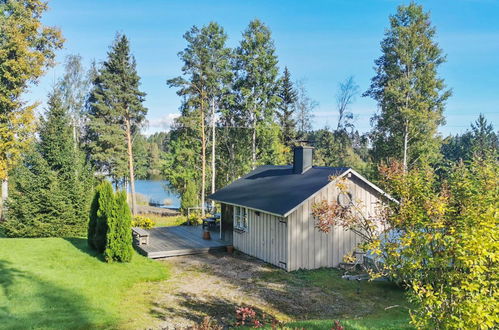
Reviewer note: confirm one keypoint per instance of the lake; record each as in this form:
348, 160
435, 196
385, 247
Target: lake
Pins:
157, 191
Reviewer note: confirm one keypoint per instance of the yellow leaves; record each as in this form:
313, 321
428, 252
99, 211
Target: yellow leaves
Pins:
27, 48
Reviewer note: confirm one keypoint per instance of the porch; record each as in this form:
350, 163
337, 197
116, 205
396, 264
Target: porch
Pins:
180, 240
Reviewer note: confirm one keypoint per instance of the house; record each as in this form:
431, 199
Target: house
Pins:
268, 213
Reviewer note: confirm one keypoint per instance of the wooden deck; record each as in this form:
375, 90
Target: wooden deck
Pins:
180, 240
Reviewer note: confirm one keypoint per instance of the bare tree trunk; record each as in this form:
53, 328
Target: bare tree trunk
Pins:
5, 195
253, 145
406, 144
203, 159
213, 149
130, 165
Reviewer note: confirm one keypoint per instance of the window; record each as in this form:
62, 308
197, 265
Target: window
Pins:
240, 218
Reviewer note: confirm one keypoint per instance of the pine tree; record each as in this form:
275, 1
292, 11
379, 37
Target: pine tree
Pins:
286, 113
93, 219
116, 114
119, 235
410, 95
206, 72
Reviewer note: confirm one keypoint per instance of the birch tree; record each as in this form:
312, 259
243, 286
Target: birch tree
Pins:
257, 80
411, 96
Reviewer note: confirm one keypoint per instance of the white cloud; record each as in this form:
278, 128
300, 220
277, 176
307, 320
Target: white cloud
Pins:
160, 124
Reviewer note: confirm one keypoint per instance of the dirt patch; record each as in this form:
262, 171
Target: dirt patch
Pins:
216, 284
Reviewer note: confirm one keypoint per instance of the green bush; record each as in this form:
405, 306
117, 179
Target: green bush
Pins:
189, 197
142, 222
105, 211
119, 236
92, 220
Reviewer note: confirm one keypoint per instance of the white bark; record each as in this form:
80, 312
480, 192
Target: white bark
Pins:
406, 144
213, 149
5, 195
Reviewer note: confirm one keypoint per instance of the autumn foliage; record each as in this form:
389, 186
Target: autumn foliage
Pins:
440, 240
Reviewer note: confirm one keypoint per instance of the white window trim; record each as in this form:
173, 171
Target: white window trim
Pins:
240, 218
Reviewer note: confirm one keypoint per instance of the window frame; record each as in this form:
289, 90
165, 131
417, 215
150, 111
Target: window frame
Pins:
240, 218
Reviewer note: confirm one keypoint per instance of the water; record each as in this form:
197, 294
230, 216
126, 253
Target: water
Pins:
157, 191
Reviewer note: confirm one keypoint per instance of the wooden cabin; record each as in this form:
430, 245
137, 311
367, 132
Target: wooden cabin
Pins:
268, 212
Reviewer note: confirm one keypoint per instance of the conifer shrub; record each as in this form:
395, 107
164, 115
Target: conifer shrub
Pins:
119, 235
105, 211
92, 219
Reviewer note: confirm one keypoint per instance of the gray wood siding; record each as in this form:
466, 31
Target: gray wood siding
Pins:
266, 238
308, 247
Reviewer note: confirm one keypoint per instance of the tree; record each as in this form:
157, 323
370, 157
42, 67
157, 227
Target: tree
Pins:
286, 113
480, 141
59, 199
410, 95
439, 240
206, 72
257, 84
74, 87
347, 91
116, 114
304, 106
119, 234
26, 50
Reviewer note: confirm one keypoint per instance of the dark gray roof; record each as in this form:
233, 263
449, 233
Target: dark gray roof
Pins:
276, 189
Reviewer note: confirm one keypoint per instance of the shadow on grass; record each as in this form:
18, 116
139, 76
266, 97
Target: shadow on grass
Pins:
29, 302
82, 245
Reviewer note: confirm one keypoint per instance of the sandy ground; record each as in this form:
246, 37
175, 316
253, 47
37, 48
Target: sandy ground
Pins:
216, 284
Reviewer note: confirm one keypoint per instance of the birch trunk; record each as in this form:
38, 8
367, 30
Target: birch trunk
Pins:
213, 149
5, 195
253, 145
130, 165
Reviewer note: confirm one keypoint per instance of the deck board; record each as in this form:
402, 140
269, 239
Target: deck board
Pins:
180, 240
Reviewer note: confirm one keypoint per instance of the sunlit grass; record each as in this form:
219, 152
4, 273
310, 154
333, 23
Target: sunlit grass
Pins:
61, 283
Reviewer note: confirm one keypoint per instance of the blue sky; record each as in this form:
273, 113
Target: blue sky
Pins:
321, 42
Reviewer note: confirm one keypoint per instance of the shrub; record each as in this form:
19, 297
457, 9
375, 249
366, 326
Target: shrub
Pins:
92, 220
194, 219
142, 222
119, 236
106, 206
189, 197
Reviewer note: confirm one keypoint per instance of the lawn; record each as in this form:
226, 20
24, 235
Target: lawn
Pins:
60, 283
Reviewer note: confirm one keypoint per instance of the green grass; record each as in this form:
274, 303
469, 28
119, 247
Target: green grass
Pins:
370, 305
55, 283
167, 221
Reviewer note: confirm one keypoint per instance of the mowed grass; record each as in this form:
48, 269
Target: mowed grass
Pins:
55, 283
168, 221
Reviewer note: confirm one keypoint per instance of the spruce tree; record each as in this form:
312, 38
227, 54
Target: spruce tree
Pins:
116, 114
286, 113
59, 197
119, 235
410, 95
